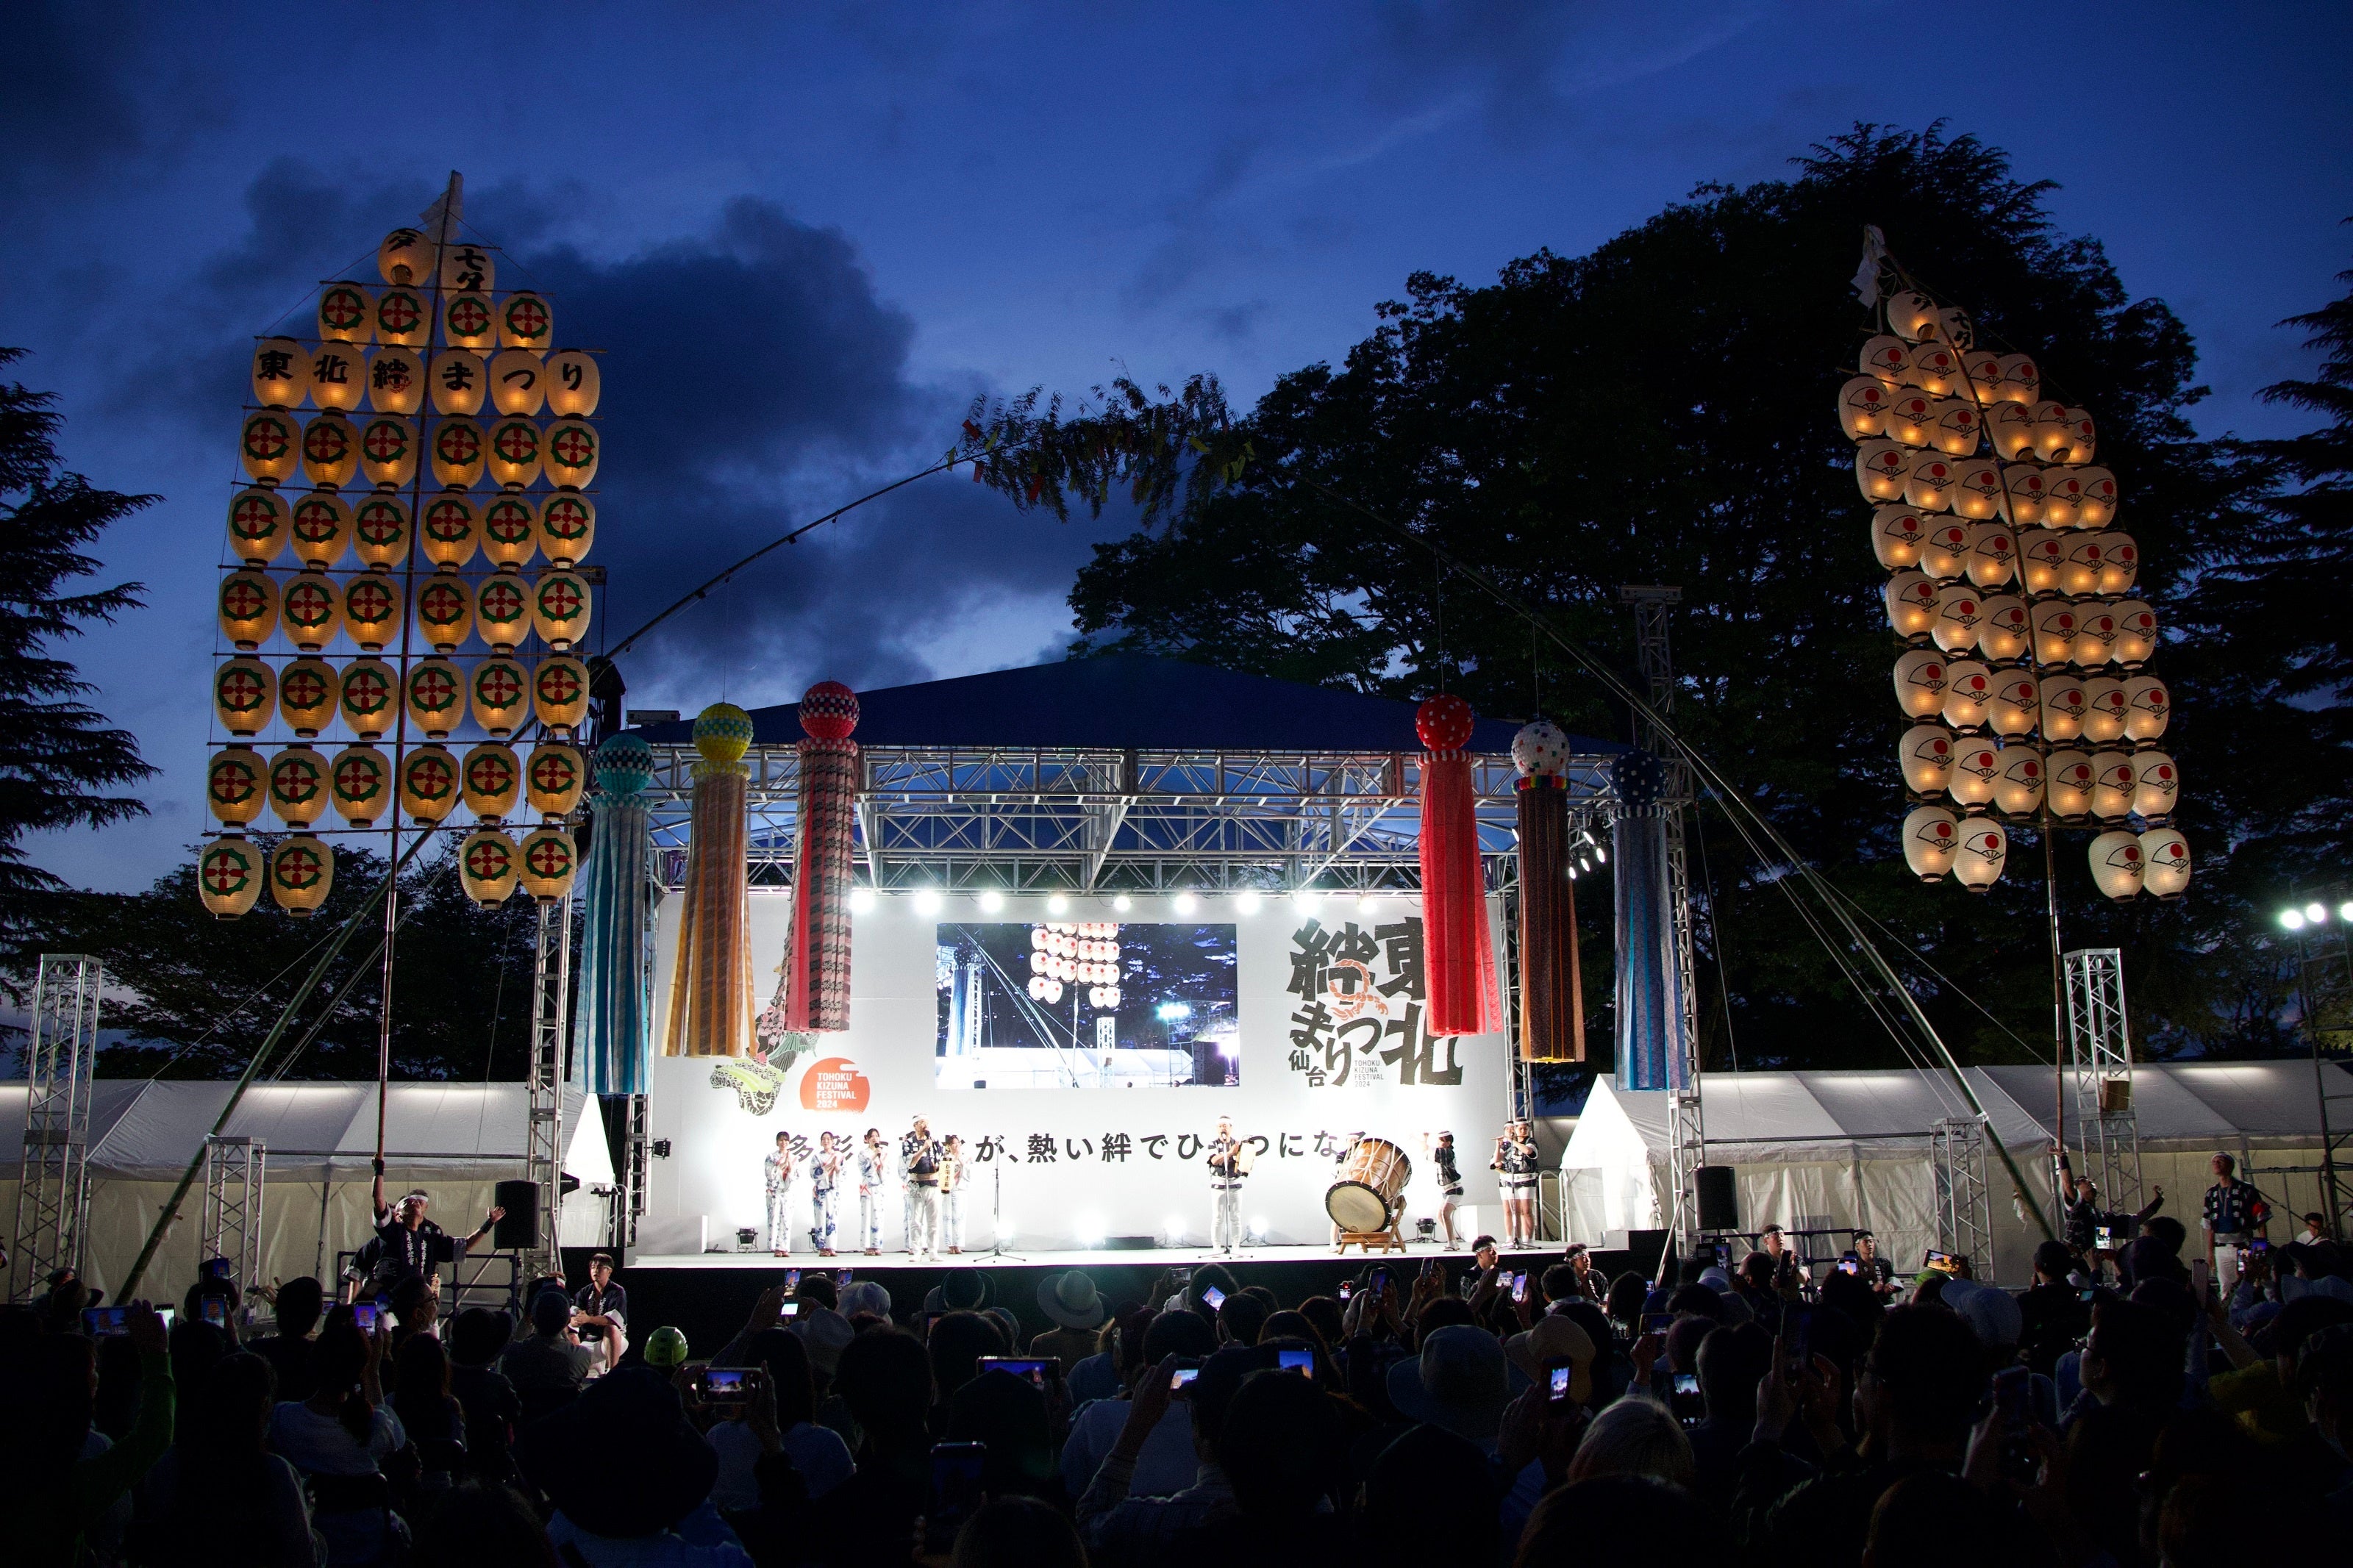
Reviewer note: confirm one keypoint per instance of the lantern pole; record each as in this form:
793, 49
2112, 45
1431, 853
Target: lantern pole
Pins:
2058, 999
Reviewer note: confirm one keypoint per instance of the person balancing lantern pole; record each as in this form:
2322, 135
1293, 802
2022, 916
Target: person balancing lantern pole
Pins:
411, 1244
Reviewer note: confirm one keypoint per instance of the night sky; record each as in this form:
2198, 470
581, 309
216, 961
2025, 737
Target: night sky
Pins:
807, 236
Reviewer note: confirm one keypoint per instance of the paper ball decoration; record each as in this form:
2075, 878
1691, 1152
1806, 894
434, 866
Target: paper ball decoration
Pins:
1540, 750
723, 732
625, 766
829, 711
1444, 722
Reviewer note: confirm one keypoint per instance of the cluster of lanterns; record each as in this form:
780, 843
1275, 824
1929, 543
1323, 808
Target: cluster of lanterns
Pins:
1075, 952
352, 581
2024, 685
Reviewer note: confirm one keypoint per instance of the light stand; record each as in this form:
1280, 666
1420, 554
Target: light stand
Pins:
996, 1214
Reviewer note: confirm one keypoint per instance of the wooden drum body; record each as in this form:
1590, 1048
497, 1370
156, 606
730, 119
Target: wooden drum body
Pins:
1372, 1182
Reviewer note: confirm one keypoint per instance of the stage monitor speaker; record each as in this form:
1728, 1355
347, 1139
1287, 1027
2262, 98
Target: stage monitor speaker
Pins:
520, 1229
1719, 1197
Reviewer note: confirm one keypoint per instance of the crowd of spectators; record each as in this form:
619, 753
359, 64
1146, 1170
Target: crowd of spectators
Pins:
2120, 1410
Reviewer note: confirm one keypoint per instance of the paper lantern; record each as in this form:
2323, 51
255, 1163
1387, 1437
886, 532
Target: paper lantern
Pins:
488, 862
1912, 316
396, 381
245, 695
2165, 862
2042, 557
1908, 416
1943, 553
2135, 632
510, 530
1879, 469
1985, 849
2080, 566
302, 874
1929, 481
549, 864
366, 701
2062, 498
468, 322
570, 453
1931, 835
435, 697
1927, 756
248, 608
1896, 533
559, 693
380, 531
281, 373
403, 318
1863, 407
515, 452
574, 383
1992, 558
234, 785
229, 874
2010, 427
445, 611
1920, 683
2146, 708
311, 611
346, 314
1981, 376
500, 690
2097, 627
459, 449
469, 268
1978, 494
2116, 865
2022, 379
2104, 710
517, 382
257, 526
1960, 611
2119, 562
491, 777
359, 783
1887, 358
1936, 370
2006, 633
2096, 497
1958, 426
2055, 625
388, 450
372, 611
338, 376
451, 532
560, 608
2157, 783
526, 321
307, 694
567, 527
320, 529
1911, 599
2016, 705
2052, 439
1975, 764
428, 785
502, 614
459, 381
1968, 687
2017, 788
1954, 327
2067, 775
270, 445
2113, 780
2026, 488
298, 785
555, 778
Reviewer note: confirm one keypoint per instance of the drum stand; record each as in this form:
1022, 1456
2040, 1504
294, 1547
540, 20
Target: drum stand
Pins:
1387, 1239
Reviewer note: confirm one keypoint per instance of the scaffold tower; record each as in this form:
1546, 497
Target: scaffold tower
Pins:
60, 1058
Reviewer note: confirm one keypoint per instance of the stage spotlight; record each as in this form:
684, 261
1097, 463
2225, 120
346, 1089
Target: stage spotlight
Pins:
861, 901
1257, 1228
1306, 898
2344, 913
927, 901
1365, 904
1184, 904
1057, 905
1167, 1011
1246, 903
1090, 1228
1122, 903
1173, 1228
991, 901
1004, 1229
2292, 919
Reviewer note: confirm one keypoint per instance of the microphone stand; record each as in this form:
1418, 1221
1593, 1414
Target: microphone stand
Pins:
996, 1216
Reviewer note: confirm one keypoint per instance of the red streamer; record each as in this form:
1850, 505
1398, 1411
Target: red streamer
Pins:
816, 981
1458, 957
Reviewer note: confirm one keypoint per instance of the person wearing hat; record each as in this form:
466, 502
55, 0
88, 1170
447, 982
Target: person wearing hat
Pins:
413, 1244
645, 1498
919, 1156
1459, 1382
776, 1170
873, 1170
1071, 1301
1553, 1339
1228, 1163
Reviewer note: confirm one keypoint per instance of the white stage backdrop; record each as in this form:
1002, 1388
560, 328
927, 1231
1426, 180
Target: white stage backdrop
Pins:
1090, 1104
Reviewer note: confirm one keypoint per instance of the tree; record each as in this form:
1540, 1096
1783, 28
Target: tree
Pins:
57, 758
1660, 411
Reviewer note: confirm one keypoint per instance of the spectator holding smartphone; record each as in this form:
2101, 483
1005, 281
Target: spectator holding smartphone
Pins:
55, 1488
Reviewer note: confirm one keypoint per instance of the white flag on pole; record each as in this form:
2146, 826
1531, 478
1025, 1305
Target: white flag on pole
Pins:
1866, 276
453, 203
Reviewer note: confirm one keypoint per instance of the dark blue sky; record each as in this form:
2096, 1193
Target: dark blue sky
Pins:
807, 234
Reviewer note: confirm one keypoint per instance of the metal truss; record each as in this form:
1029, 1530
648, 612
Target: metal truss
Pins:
551, 1030
230, 1226
630, 1206
51, 1231
1957, 1159
2100, 1074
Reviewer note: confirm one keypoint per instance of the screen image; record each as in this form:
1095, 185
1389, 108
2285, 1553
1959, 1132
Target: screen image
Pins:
1087, 1004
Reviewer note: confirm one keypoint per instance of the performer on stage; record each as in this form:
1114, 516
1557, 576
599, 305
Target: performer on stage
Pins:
873, 1176
951, 1176
1450, 1183
825, 1178
1515, 1160
413, 1245
778, 1170
919, 1166
1228, 1163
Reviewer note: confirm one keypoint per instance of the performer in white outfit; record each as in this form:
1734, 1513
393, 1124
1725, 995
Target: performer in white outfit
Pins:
918, 1167
951, 1175
825, 1177
1516, 1160
778, 1168
873, 1168
1228, 1163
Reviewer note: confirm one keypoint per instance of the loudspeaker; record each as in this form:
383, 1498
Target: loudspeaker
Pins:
520, 1229
1719, 1197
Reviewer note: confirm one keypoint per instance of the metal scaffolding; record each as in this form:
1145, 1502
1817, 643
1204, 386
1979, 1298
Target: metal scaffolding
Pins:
631, 1206
1956, 1158
231, 1222
60, 1058
551, 1030
2100, 1077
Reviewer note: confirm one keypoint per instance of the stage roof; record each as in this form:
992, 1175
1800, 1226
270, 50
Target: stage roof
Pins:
1127, 700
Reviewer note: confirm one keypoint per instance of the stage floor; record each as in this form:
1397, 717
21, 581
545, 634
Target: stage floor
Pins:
1080, 1258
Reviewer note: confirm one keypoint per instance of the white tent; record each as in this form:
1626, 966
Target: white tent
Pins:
454, 1140
1834, 1151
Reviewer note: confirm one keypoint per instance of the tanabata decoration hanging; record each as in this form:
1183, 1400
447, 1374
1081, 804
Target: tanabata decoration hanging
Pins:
817, 984
710, 1005
1459, 958
615, 1005
1552, 1000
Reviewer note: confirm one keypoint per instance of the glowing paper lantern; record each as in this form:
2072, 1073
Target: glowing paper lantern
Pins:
2042, 557
567, 527
526, 321
560, 608
500, 690
559, 693
2119, 564
1936, 370
2104, 710
574, 384
346, 314
396, 381
229, 874
311, 611
1931, 835
233, 785
308, 691
1896, 533
1968, 687
388, 450
2148, 708
302, 875
487, 863
491, 777
1889, 359
460, 450
2017, 788
2096, 506
257, 526
459, 381
2157, 785
2082, 436
2016, 704
2081, 566
372, 610
2135, 632
2022, 379
366, 699
510, 528
428, 785
2006, 633
248, 609
2062, 498
281, 373
270, 445
403, 318
1911, 598
2055, 625
320, 529
1927, 756
1908, 418
1879, 469
570, 454
445, 611
1953, 327
2027, 490
467, 267
2068, 786
2097, 627
1920, 683
1975, 764
338, 376
515, 452
1958, 426
468, 322
2053, 439
1978, 495
2165, 862
435, 697
1960, 611
502, 614
1863, 407
2010, 427
517, 382
1945, 551
380, 531
555, 778
2113, 780
549, 863
1985, 849
451, 530
2116, 865
298, 785
1992, 558
1912, 316
1981, 376
359, 781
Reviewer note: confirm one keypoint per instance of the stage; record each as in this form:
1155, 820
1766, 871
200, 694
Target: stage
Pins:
1043, 1258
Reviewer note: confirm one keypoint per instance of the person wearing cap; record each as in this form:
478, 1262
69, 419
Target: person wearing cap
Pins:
919, 1166
1449, 1183
825, 1181
951, 1179
873, 1174
413, 1244
1077, 1311
777, 1172
1228, 1164
600, 1314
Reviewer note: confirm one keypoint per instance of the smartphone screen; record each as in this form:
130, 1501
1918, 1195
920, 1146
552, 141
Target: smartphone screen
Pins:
2104, 1239
792, 1278
1213, 1297
1347, 1289
1940, 1261
725, 1386
1380, 1279
1181, 1376
1031, 1369
216, 1310
105, 1323
1301, 1362
789, 1310
1519, 1287
954, 1493
1850, 1264
1798, 1338
1560, 1379
847, 1274
1685, 1402
2199, 1276
363, 1314
1658, 1322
